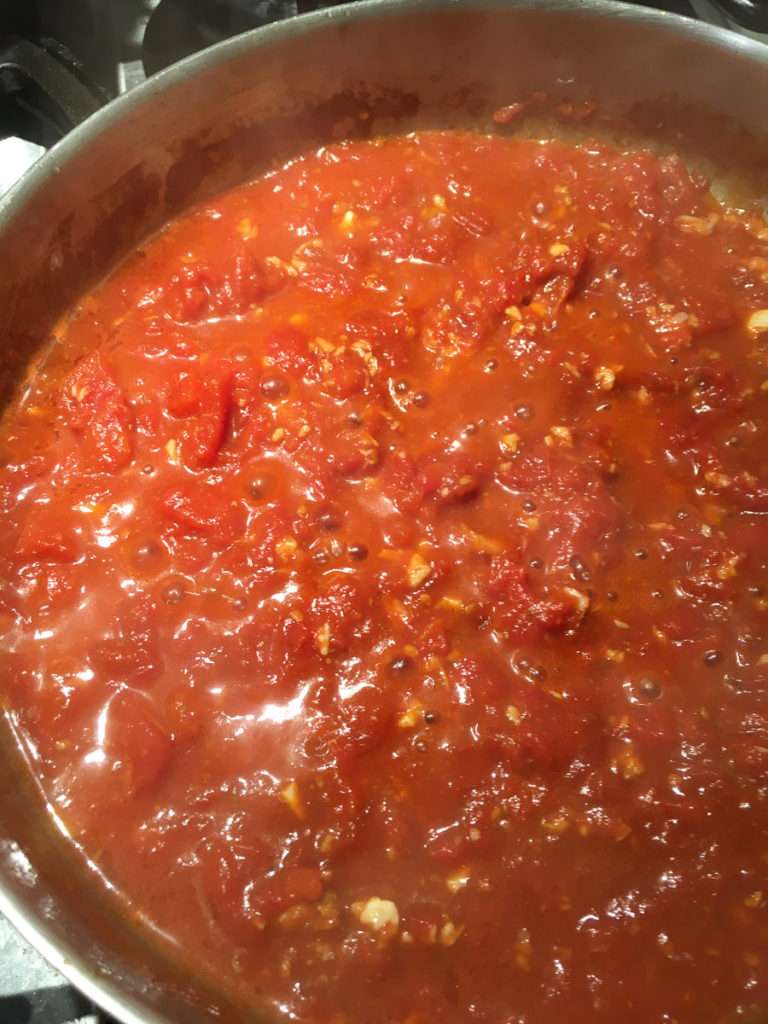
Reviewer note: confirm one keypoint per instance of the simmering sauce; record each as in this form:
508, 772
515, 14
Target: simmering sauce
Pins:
383, 587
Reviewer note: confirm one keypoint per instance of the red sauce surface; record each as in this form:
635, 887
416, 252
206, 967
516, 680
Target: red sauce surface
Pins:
383, 566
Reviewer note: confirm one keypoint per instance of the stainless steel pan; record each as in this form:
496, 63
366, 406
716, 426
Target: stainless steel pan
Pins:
224, 116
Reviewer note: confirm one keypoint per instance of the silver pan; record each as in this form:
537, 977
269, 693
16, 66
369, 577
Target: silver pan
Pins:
226, 115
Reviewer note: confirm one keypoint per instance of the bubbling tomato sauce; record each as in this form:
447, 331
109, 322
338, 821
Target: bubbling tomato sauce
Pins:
383, 587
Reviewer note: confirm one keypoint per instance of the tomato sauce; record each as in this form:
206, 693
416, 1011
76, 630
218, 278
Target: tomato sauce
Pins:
383, 587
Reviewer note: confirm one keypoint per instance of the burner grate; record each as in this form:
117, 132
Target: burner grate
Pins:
177, 28
32, 992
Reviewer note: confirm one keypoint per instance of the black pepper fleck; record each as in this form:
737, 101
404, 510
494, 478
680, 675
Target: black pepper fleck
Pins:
328, 519
649, 687
401, 663
147, 552
580, 569
259, 485
275, 388
173, 593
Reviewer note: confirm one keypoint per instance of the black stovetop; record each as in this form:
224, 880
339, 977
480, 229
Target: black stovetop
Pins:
105, 48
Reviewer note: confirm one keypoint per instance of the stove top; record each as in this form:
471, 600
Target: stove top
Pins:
58, 63
32, 992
